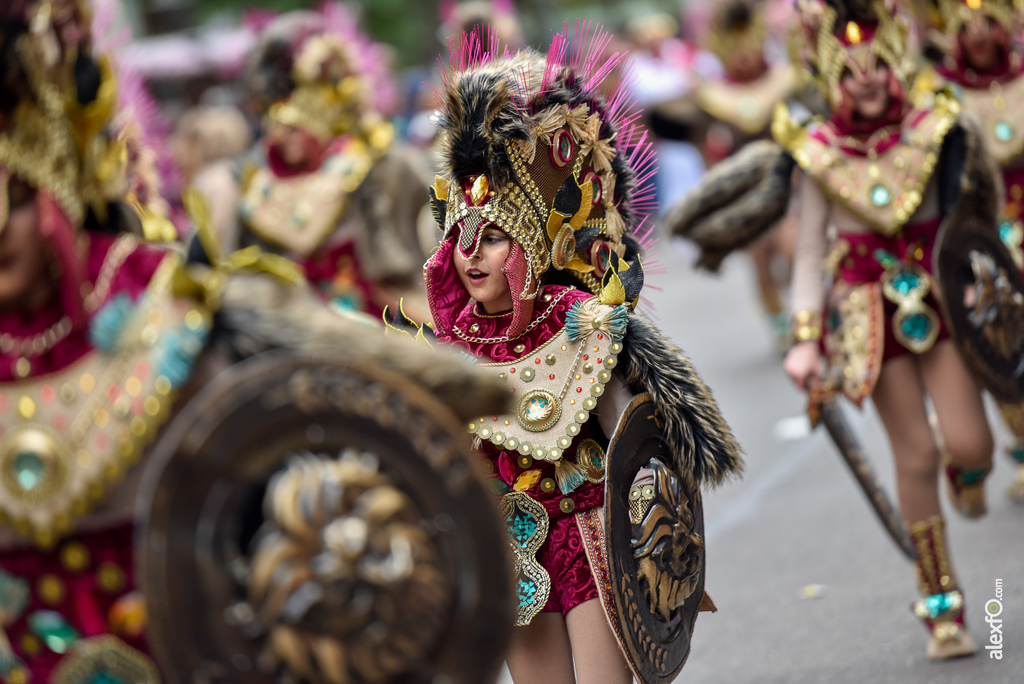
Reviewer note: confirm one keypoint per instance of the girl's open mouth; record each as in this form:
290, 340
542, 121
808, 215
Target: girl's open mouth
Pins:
477, 276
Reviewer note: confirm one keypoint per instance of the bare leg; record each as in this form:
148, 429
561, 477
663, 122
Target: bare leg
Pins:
957, 402
594, 647
540, 651
899, 398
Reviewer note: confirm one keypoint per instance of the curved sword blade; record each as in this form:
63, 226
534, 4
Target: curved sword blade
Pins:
850, 449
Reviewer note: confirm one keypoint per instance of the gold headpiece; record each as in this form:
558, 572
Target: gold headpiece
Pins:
329, 98
78, 152
731, 37
954, 15
855, 46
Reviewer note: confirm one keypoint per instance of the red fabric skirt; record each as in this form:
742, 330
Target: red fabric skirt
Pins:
83, 579
915, 244
562, 554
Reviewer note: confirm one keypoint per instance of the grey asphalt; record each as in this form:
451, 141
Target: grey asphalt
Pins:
797, 519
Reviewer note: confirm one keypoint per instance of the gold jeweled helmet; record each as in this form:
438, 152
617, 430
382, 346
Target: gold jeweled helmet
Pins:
735, 26
75, 127
548, 150
854, 35
315, 70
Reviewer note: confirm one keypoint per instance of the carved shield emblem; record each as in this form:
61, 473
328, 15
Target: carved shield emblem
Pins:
313, 520
654, 532
982, 297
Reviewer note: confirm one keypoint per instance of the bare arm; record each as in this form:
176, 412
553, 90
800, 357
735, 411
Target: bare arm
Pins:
803, 362
809, 257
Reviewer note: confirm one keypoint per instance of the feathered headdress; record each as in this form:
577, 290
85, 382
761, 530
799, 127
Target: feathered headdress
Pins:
854, 35
549, 150
317, 71
67, 131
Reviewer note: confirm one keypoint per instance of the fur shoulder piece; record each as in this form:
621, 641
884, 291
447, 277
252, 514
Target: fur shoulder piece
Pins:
258, 313
735, 203
693, 425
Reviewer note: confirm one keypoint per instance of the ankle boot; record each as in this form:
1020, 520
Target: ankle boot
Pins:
942, 606
966, 488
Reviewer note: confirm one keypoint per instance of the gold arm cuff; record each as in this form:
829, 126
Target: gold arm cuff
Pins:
806, 326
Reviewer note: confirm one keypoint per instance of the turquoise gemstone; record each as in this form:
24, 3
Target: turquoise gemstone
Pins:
916, 326
53, 629
880, 195
106, 678
1004, 132
938, 604
537, 409
526, 590
905, 282
521, 527
29, 470
498, 486
1005, 231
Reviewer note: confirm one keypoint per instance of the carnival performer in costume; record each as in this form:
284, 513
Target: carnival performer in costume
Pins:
541, 200
887, 175
100, 336
977, 46
326, 186
725, 114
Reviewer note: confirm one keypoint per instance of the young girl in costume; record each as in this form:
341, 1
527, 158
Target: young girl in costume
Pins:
537, 275
886, 175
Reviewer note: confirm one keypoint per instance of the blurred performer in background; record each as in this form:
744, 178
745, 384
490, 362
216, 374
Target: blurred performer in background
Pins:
977, 45
887, 175
541, 200
725, 114
92, 345
103, 337
326, 186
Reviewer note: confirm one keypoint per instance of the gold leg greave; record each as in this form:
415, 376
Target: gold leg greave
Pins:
941, 607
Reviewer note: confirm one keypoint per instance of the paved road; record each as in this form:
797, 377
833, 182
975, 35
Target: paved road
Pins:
797, 519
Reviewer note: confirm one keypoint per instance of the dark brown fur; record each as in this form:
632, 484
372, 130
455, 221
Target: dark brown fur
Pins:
259, 313
735, 203
692, 422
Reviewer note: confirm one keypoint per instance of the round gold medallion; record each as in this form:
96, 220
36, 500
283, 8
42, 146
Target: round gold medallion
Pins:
538, 410
33, 464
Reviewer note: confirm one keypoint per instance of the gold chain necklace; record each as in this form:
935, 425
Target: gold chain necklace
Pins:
40, 343
505, 338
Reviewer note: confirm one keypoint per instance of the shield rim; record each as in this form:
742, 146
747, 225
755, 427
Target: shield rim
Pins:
617, 506
484, 607
954, 243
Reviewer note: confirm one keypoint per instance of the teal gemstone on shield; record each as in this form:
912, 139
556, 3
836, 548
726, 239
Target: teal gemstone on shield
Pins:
106, 678
880, 195
905, 282
51, 627
916, 326
29, 470
1004, 132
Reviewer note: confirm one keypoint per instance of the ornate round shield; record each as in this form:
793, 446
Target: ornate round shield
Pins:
655, 544
314, 520
982, 296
